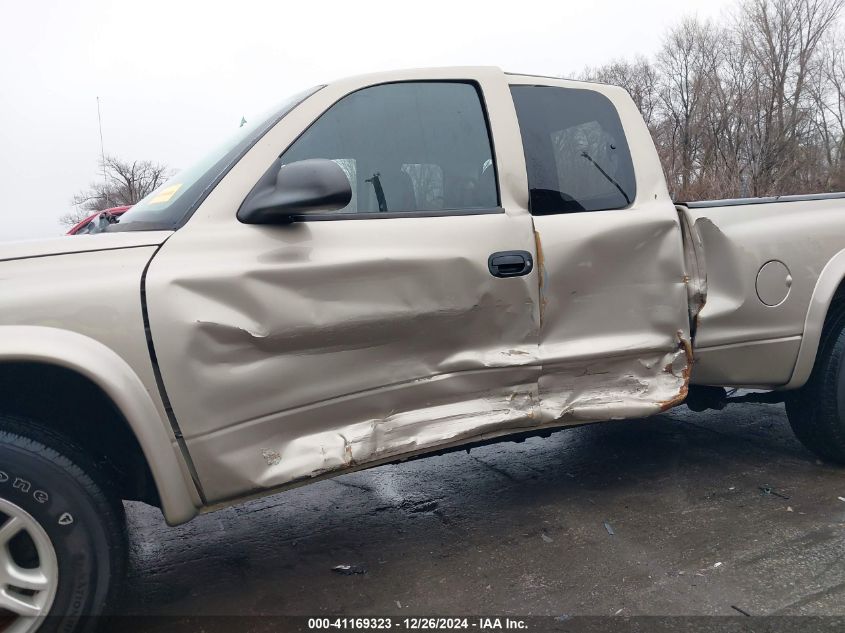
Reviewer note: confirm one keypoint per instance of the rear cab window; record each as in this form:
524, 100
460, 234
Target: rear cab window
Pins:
576, 153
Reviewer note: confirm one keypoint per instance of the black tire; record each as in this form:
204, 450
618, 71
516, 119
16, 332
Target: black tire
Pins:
816, 412
62, 481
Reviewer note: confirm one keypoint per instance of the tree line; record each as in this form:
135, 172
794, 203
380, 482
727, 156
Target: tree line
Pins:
123, 183
750, 105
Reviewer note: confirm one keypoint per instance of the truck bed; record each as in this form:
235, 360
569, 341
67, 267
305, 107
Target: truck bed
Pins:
753, 273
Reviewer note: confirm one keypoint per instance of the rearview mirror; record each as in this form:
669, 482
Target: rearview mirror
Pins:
316, 184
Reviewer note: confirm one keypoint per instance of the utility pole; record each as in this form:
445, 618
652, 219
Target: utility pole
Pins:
102, 155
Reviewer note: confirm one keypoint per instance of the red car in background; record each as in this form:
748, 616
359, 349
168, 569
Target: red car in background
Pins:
97, 222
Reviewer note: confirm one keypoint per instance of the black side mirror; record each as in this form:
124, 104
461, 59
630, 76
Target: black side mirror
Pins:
316, 184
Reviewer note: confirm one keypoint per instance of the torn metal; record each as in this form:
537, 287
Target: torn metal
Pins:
614, 341
686, 370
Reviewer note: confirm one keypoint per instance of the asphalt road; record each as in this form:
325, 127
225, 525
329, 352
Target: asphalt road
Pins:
665, 516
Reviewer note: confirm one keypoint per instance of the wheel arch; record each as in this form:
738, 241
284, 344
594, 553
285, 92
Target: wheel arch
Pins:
829, 287
97, 363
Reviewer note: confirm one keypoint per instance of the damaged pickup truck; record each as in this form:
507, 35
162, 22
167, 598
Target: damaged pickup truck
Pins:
387, 266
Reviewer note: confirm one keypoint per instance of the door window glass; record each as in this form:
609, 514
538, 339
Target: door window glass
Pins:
405, 147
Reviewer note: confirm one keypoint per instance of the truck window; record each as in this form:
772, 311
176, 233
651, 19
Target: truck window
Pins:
575, 150
407, 147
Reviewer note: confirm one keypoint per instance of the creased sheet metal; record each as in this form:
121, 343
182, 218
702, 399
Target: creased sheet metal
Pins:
312, 350
312, 331
614, 342
739, 340
302, 351
314, 445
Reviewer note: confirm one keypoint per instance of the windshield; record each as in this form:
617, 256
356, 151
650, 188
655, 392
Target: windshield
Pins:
171, 204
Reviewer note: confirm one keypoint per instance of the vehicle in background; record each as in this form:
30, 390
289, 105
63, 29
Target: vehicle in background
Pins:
98, 222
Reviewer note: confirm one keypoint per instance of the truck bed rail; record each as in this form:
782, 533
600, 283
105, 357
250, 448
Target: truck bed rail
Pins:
732, 202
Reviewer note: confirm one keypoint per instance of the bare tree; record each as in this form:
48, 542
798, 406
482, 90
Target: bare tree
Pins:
126, 183
638, 77
751, 106
781, 38
827, 87
688, 65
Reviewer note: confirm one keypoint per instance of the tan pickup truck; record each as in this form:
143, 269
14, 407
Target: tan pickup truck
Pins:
382, 267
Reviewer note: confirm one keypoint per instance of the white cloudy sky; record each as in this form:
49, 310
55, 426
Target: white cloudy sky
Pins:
176, 76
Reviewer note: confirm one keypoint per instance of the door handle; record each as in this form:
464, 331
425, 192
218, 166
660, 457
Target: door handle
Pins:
510, 263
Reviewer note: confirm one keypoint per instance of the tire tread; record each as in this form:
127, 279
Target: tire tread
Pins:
813, 410
55, 447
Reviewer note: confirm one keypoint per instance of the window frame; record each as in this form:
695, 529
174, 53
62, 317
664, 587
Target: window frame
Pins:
394, 215
633, 200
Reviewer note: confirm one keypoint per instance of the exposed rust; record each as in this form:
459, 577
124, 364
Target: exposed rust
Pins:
541, 270
685, 374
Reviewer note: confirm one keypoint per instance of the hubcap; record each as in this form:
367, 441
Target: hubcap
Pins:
29, 571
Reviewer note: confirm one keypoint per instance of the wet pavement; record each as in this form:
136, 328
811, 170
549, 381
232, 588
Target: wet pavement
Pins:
681, 514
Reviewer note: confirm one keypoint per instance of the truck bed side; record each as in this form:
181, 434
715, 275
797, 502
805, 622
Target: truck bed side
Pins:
754, 267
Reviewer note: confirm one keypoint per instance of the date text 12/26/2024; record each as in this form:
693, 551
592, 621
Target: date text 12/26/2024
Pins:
419, 623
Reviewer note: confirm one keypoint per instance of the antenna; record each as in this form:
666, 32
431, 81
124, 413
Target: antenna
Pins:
102, 153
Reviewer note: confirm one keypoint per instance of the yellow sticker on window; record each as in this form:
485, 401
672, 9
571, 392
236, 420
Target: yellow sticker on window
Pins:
166, 194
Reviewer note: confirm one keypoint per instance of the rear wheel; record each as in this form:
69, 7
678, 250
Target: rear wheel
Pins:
62, 539
816, 412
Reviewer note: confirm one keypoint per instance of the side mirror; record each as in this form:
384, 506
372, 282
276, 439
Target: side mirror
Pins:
316, 184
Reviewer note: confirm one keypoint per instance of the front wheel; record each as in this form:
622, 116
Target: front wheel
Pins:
62, 539
816, 412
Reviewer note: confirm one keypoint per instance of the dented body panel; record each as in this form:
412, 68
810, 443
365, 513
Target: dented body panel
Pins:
327, 344
330, 343
278, 355
614, 336
291, 352
742, 340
